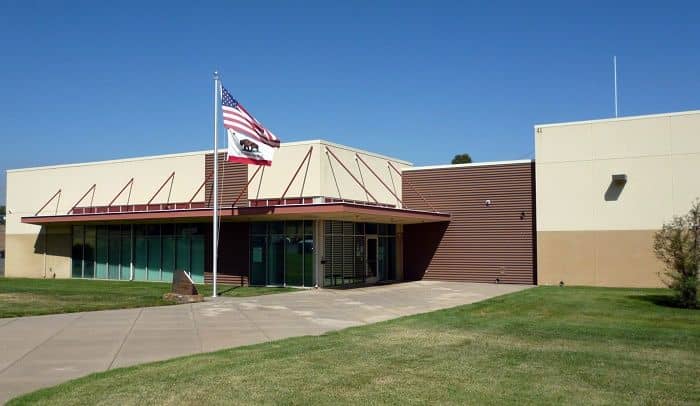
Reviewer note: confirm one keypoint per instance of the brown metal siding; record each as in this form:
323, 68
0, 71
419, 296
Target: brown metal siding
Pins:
233, 254
481, 243
232, 179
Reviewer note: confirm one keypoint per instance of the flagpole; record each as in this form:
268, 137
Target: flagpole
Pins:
215, 222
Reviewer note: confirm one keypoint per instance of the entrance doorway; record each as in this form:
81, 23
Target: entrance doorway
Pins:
371, 275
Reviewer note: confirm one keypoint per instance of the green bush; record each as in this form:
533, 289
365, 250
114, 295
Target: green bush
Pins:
677, 246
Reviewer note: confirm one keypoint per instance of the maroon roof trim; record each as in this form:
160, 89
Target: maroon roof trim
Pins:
262, 211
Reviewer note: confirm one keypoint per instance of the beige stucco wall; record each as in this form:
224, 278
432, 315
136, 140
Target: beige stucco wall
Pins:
586, 238
326, 177
28, 189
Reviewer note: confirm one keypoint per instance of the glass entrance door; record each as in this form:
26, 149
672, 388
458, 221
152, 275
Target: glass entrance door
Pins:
371, 259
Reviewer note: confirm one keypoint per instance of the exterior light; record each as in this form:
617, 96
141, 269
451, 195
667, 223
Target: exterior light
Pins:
488, 202
619, 178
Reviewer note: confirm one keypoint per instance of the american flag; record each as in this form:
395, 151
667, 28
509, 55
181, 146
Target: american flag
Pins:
237, 118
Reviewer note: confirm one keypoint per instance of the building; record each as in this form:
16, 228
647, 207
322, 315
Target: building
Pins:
584, 212
604, 188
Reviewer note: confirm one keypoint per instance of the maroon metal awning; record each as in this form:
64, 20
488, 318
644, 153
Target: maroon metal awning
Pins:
322, 211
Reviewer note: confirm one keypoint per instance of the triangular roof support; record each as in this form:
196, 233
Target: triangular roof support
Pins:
172, 176
92, 188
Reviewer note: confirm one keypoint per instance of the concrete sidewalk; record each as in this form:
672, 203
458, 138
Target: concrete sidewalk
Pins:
42, 351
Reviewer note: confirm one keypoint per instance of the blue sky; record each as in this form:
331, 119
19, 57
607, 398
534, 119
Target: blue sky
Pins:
416, 80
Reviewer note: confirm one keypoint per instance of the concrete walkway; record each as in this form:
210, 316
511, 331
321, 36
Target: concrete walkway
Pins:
42, 351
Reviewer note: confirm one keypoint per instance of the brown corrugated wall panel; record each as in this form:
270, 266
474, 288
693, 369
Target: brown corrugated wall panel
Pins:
233, 254
233, 177
481, 243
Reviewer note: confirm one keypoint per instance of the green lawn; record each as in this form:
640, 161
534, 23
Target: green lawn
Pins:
29, 297
546, 345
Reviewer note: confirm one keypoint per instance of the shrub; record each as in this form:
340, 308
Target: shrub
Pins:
677, 246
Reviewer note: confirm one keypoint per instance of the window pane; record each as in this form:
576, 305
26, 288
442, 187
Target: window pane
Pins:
309, 274
294, 260
359, 270
359, 228
371, 228
258, 260
153, 257
89, 252
77, 252
391, 258
140, 252
327, 260
276, 227
309, 227
101, 255
382, 229
197, 260
294, 228
182, 258
168, 264
258, 228
125, 272
114, 254
275, 270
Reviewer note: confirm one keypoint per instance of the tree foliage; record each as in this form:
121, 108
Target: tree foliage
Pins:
2, 214
462, 159
677, 245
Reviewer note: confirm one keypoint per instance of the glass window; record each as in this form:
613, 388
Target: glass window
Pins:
309, 274
168, 254
114, 253
294, 228
154, 251
197, 260
77, 251
371, 228
258, 228
102, 252
275, 270
89, 252
382, 229
258, 260
125, 271
140, 252
294, 258
276, 227
308, 227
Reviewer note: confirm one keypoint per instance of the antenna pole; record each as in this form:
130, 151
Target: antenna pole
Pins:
615, 74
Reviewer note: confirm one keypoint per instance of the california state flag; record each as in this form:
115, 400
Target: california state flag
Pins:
248, 141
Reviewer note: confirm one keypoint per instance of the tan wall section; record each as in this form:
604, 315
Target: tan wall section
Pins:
271, 181
325, 176
598, 258
28, 189
336, 182
591, 231
46, 254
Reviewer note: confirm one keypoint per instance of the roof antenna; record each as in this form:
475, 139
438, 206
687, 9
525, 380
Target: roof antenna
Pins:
615, 74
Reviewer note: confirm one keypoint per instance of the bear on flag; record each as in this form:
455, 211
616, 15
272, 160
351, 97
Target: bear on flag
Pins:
249, 142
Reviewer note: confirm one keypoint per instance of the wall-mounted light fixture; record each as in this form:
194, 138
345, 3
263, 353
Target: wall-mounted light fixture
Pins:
488, 202
619, 178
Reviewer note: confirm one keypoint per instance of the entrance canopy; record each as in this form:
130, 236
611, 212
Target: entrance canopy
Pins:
322, 211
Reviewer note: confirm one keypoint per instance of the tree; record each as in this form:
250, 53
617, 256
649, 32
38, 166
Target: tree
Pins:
677, 245
2, 214
462, 159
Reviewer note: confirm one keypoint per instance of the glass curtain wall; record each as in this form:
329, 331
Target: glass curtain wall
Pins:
156, 251
282, 253
345, 256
